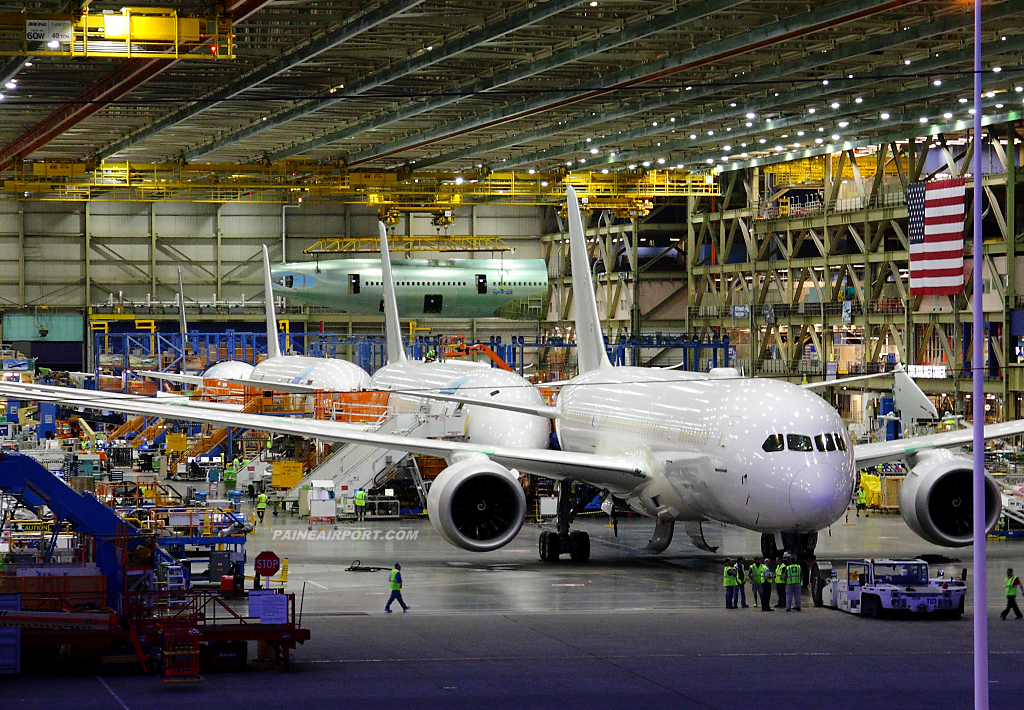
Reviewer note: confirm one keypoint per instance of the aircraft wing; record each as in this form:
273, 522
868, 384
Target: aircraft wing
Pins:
286, 387
196, 380
539, 410
620, 474
883, 451
844, 380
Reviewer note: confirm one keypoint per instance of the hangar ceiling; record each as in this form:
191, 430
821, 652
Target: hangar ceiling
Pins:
454, 84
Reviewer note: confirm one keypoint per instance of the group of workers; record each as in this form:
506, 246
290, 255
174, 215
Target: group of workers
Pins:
787, 577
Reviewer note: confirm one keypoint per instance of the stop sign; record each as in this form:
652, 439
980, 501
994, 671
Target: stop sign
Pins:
266, 564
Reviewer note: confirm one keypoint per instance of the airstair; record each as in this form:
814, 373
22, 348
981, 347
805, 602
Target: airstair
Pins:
355, 466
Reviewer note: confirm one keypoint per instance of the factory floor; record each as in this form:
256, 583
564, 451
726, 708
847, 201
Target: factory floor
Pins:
504, 630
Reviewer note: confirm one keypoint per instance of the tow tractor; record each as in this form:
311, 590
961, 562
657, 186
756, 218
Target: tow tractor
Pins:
873, 587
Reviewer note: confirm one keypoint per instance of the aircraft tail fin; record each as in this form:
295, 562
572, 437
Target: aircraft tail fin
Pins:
910, 400
590, 348
392, 326
181, 306
273, 342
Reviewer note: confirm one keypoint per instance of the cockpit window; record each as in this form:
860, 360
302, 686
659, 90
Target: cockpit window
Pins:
799, 442
840, 442
830, 444
819, 442
773, 443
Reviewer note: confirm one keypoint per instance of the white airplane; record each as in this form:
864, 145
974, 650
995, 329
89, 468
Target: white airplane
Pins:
295, 374
765, 455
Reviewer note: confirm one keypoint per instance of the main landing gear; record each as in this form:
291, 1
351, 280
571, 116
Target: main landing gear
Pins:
799, 546
572, 497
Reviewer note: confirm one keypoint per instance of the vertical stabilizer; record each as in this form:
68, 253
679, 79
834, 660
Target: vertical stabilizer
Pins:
181, 306
392, 326
911, 402
273, 342
590, 349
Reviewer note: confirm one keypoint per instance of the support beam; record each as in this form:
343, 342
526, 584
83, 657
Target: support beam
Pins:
291, 59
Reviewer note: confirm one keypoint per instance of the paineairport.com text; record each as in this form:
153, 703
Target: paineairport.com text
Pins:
349, 534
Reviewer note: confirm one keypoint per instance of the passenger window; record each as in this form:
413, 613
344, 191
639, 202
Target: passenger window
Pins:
830, 444
840, 442
798, 442
819, 441
773, 443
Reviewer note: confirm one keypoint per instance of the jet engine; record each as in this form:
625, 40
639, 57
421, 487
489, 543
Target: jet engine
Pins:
936, 499
477, 505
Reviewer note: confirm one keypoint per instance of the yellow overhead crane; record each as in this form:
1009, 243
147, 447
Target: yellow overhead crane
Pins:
810, 172
628, 193
134, 33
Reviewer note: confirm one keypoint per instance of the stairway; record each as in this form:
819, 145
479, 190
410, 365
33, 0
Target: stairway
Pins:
355, 466
149, 434
130, 426
206, 444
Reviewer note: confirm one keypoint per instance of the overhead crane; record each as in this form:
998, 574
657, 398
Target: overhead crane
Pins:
134, 33
627, 193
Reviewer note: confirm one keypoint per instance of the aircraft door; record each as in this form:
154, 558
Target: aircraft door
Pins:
433, 303
481, 284
353, 283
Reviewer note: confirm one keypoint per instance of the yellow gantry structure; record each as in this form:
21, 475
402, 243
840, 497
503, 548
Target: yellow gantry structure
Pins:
132, 33
810, 172
628, 193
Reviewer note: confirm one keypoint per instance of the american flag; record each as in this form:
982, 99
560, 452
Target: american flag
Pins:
936, 225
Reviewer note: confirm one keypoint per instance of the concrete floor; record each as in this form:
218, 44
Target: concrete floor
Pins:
626, 630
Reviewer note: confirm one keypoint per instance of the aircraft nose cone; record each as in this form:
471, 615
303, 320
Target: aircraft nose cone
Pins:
818, 496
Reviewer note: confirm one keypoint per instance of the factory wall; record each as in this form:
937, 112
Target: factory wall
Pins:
135, 248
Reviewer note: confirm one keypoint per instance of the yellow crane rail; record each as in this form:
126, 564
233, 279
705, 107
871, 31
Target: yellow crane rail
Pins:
632, 192
133, 33
439, 242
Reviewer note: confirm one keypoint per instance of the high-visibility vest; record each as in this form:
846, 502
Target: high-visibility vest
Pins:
794, 575
261, 502
360, 497
1011, 586
729, 577
741, 574
757, 573
861, 496
780, 573
395, 584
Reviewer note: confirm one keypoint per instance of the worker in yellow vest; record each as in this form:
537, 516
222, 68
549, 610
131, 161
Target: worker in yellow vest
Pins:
396, 589
767, 576
780, 584
1012, 582
756, 582
794, 578
730, 582
360, 504
862, 501
261, 505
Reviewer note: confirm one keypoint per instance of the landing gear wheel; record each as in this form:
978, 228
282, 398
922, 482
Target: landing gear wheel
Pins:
549, 546
817, 585
768, 547
580, 550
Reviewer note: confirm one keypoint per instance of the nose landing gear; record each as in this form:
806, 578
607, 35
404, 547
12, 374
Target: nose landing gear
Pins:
572, 498
798, 546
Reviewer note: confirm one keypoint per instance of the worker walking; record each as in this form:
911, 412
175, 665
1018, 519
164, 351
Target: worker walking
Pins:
780, 583
794, 577
261, 505
862, 501
741, 581
396, 589
766, 587
1012, 582
360, 504
729, 581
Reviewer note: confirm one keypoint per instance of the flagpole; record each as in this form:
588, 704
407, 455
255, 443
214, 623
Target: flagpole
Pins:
978, 401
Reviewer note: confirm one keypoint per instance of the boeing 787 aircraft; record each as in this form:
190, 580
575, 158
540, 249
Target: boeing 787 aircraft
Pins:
765, 455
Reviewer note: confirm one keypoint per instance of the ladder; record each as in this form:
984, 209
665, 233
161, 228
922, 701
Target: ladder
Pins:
131, 425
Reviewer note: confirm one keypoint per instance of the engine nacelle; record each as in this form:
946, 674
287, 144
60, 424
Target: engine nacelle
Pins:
477, 505
936, 499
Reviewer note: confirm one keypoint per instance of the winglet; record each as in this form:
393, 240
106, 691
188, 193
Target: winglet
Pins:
392, 326
273, 342
181, 306
590, 346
